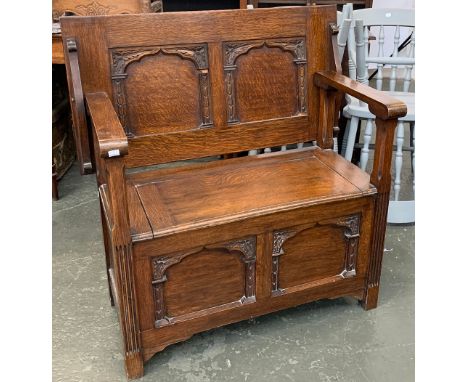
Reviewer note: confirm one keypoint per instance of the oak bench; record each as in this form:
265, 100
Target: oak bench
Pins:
194, 247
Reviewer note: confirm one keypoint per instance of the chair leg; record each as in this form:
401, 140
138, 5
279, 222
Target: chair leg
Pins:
351, 138
344, 141
365, 149
399, 158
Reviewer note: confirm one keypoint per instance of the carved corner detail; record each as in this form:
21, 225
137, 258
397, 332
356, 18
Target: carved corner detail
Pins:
248, 249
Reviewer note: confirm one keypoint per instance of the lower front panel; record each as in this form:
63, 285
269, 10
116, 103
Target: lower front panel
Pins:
235, 275
317, 253
203, 280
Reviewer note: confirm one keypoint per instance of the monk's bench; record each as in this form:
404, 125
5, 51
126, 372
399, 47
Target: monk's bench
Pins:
198, 246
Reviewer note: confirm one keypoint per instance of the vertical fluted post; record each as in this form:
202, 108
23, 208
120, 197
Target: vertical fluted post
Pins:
123, 267
381, 179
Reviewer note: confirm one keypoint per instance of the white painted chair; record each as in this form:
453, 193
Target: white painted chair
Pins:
344, 24
399, 211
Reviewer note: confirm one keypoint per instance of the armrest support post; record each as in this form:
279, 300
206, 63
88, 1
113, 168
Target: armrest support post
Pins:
123, 269
380, 176
381, 179
117, 191
112, 146
326, 117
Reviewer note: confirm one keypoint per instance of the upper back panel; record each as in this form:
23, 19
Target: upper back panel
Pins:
194, 84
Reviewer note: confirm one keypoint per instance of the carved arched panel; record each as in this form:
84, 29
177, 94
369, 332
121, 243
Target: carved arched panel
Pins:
305, 255
265, 79
214, 277
161, 89
204, 280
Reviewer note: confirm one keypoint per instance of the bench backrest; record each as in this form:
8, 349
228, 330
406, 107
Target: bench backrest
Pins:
195, 84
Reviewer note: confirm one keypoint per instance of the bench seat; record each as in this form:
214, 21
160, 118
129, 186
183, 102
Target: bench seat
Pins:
172, 200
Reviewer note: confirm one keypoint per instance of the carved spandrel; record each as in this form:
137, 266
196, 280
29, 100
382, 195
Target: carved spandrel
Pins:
161, 264
245, 246
279, 237
197, 54
351, 223
295, 46
123, 57
233, 50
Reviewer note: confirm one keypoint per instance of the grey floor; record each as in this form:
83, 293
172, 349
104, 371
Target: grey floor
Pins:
323, 341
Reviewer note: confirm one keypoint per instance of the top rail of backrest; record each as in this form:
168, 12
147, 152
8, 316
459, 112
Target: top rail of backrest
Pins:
194, 84
385, 17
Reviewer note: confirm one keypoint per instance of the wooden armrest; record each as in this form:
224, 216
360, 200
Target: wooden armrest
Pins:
111, 138
380, 104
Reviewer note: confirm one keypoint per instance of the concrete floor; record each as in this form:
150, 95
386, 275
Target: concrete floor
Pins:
322, 341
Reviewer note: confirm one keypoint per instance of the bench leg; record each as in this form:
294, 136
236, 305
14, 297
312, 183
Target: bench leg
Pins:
122, 262
134, 365
376, 254
371, 298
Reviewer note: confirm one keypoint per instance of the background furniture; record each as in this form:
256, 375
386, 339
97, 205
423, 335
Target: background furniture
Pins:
399, 211
63, 147
202, 245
